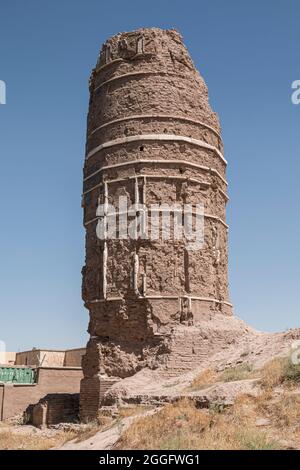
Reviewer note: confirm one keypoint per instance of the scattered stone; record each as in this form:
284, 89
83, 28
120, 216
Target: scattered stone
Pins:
262, 422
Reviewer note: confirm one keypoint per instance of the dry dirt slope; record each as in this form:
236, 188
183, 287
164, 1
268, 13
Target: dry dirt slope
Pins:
244, 396
239, 408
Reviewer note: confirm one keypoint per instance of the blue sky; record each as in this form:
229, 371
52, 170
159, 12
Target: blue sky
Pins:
248, 53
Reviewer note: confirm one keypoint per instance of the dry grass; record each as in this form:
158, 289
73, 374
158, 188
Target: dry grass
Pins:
272, 373
240, 372
205, 379
275, 372
90, 430
280, 371
182, 426
283, 411
126, 411
12, 440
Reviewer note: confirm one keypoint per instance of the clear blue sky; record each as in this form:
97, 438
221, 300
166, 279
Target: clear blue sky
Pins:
248, 53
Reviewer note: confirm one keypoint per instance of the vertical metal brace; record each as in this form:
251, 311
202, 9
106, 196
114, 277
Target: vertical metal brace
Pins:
145, 219
144, 190
136, 191
136, 256
136, 203
136, 273
105, 250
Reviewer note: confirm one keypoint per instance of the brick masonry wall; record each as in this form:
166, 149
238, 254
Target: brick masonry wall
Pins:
14, 399
92, 391
56, 408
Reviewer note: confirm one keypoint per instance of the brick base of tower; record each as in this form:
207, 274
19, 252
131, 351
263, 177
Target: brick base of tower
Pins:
92, 391
162, 335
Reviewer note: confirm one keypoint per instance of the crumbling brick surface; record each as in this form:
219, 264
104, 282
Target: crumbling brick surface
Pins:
152, 137
54, 409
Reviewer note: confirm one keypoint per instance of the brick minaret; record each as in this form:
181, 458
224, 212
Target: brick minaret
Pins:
153, 138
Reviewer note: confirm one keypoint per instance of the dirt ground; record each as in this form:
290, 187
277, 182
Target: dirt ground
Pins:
240, 407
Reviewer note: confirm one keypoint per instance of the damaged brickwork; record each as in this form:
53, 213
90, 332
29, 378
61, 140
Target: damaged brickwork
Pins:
152, 137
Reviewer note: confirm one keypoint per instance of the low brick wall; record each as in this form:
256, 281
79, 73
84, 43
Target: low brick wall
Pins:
16, 398
55, 408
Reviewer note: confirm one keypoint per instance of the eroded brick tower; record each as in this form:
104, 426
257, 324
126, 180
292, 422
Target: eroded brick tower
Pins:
153, 138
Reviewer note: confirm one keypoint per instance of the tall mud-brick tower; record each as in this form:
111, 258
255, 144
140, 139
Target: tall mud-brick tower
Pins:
153, 139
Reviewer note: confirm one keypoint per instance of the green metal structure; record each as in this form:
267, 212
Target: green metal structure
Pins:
19, 375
